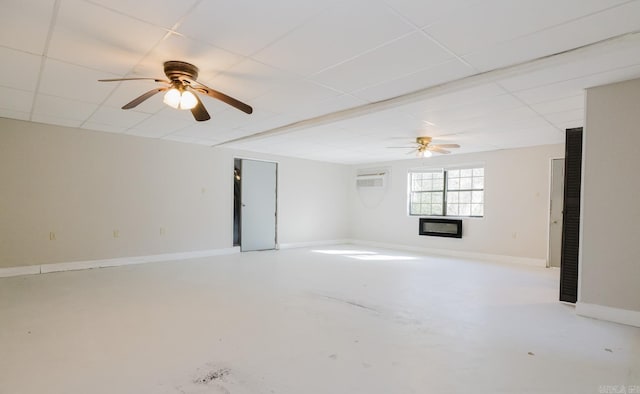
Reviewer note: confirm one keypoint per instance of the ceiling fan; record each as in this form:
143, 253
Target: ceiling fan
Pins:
181, 90
424, 148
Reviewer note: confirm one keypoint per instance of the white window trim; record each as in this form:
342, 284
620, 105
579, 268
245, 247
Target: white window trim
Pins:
444, 169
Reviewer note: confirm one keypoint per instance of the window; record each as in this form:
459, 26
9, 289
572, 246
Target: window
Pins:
454, 192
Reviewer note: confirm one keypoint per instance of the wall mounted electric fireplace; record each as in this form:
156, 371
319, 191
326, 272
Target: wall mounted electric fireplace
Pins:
441, 227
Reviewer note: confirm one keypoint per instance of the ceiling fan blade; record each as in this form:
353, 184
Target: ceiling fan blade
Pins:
134, 79
222, 97
446, 146
400, 147
199, 111
437, 149
413, 151
135, 102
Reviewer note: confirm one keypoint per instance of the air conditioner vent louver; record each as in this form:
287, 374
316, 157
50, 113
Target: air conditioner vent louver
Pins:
370, 181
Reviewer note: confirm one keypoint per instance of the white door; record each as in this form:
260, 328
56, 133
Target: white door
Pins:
258, 207
555, 214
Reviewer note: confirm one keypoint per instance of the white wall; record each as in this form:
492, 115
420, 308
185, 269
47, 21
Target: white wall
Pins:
516, 205
610, 247
84, 185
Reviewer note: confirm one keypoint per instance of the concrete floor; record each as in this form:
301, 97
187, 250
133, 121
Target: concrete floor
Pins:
333, 320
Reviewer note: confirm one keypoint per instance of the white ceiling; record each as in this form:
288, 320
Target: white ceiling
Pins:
474, 72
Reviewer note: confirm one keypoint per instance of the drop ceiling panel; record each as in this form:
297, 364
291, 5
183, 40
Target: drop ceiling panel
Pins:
334, 36
593, 28
19, 69
84, 34
186, 140
62, 108
563, 117
165, 13
24, 25
523, 137
512, 120
163, 123
267, 124
504, 20
424, 12
74, 82
231, 118
196, 131
491, 107
327, 106
410, 54
12, 114
560, 105
388, 122
15, 100
117, 118
307, 92
576, 86
245, 26
249, 79
101, 127
623, 55
55, 120
430, 76
225, 134
476, 94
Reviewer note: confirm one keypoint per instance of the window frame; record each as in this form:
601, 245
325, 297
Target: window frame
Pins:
445, 191
411, 191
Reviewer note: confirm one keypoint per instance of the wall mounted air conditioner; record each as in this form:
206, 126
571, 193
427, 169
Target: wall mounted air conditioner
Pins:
371, 180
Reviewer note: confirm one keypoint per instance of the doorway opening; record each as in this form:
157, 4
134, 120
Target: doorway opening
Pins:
555, 213
255, 204
237, 171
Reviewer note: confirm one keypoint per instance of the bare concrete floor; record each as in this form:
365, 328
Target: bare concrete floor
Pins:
332, 320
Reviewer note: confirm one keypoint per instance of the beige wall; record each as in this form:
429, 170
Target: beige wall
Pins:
83, 185
516, 205
610, 246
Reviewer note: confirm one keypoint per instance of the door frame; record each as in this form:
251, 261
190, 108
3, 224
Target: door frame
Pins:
277, 163
548, 258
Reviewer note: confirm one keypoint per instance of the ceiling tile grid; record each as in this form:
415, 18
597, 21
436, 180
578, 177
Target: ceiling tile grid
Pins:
493, 74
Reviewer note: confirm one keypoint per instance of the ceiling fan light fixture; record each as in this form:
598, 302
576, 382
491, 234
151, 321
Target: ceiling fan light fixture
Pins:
188, 100
173, 98
424, 153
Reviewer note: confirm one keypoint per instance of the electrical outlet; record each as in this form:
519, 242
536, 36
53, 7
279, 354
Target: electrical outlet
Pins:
116, 233
162, 231
52, 236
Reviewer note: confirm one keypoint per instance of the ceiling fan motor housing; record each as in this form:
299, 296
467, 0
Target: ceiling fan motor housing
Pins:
177, 70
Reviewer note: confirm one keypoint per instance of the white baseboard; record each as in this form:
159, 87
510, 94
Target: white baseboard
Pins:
19, 271
455, 253
88, 264
601, 312
293, 245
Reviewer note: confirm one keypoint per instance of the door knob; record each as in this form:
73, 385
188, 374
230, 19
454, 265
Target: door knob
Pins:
555, 222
